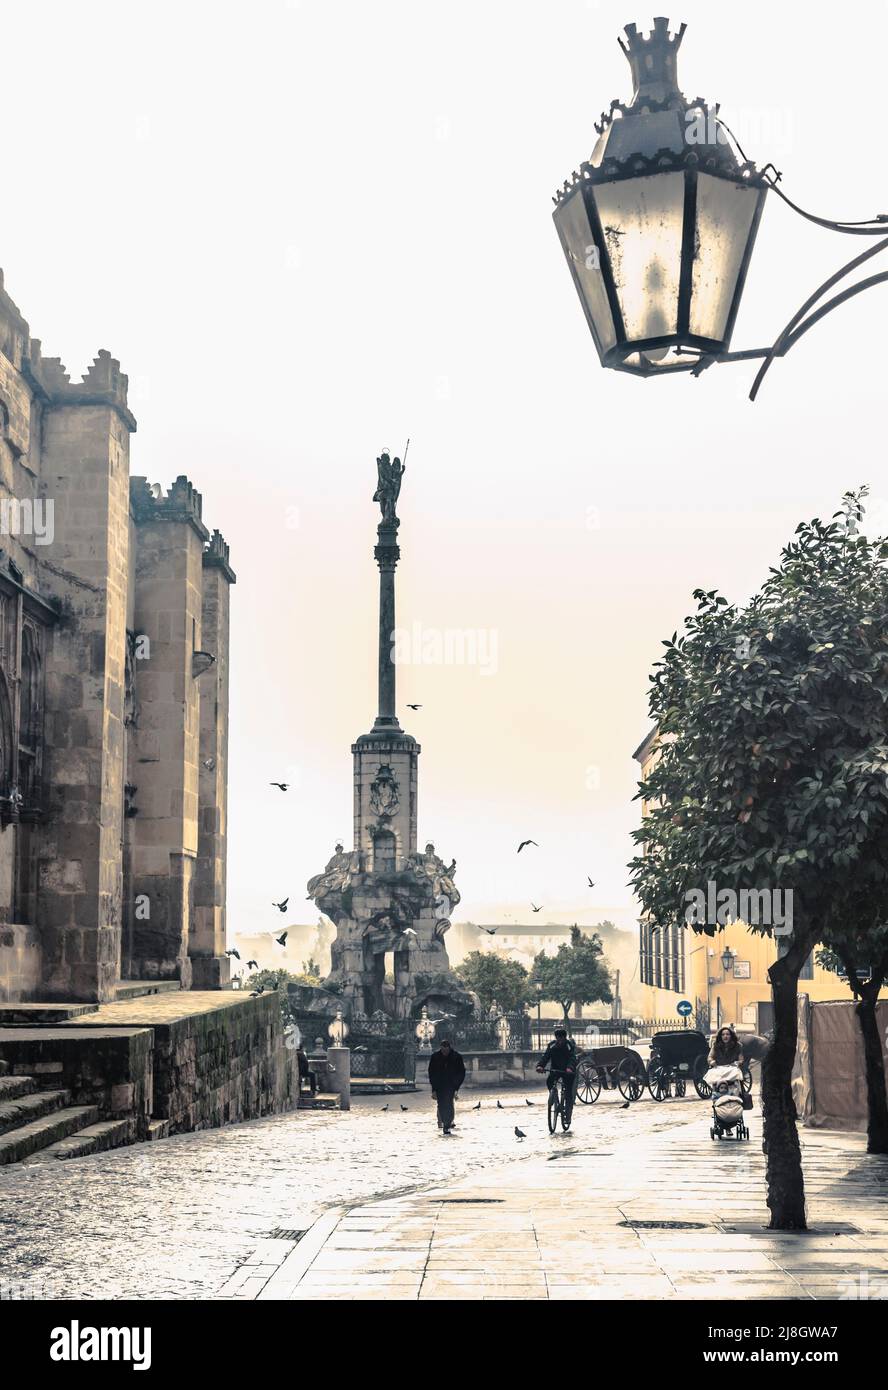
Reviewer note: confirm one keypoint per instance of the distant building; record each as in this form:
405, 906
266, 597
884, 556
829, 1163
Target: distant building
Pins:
303, 943
510, 939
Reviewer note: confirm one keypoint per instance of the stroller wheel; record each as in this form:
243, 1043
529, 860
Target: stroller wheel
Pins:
711, 1132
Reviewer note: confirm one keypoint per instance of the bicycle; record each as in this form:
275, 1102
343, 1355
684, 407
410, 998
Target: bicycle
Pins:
561, 1100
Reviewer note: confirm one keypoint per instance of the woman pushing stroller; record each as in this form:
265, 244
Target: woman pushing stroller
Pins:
726, 1050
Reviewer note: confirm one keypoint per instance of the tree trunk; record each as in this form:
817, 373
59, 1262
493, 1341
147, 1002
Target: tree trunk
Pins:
786, 1183
876, 1102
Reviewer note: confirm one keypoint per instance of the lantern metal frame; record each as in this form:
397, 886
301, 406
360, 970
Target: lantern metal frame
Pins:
653, 63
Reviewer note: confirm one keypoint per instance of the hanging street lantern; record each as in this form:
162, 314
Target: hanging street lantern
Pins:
659, 224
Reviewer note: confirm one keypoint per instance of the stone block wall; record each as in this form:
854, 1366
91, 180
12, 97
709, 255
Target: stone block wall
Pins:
224, 1065
108, 1067
21, 962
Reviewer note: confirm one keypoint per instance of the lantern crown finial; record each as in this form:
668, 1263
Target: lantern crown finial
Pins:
653, 60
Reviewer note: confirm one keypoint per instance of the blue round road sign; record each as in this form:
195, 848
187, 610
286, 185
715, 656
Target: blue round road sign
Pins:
685, 1007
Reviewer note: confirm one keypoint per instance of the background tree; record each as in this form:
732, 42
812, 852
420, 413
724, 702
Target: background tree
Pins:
491, 975
865, 978
772, 774
576, 974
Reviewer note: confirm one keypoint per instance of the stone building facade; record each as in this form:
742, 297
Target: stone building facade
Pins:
114, 603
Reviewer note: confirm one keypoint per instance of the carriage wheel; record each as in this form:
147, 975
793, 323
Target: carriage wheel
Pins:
588, 1083
630, 1078
701, 1067
658, 1080
680, 1087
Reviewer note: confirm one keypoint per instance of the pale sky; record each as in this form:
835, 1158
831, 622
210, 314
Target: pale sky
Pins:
311, 230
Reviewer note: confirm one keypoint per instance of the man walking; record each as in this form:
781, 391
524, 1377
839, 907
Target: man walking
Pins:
447, 1072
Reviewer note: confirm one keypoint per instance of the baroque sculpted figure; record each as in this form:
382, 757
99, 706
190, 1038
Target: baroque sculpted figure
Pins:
336, 877
389, 474
430, 867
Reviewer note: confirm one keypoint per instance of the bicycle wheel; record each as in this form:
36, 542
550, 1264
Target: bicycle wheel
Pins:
554, 1107
588, 1083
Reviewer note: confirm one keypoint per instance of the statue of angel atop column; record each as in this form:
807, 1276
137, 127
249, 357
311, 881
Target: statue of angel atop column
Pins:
388, 487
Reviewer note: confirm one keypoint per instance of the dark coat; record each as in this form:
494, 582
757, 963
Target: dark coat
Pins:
446, 1073
560, 1055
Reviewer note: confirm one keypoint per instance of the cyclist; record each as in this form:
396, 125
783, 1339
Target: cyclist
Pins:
561, 1058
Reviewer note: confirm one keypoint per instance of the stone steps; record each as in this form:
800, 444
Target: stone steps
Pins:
33, 1106
20, 1143
92, 1139
324, 1100
11, 1087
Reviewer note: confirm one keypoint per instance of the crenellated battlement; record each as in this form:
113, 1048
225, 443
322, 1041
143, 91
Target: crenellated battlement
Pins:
103, 383
181, 502
215, 556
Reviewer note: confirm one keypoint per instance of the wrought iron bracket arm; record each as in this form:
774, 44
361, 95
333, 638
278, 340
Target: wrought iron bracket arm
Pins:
798, 325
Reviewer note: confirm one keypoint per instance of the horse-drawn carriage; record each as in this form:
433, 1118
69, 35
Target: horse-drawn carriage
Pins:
613, 1068
675, 1059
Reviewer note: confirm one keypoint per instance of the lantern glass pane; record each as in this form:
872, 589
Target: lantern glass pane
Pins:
641, 220
725, 212
584, 256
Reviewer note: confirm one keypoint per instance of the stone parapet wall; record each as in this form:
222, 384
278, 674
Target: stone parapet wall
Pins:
219, 1057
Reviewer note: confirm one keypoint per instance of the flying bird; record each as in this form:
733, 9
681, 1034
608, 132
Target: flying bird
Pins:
414, 706
526, 842
408, 931
491, 931
282, 939
210, 763
535, 908
519, 1133
234, 953
281, 906
252, 965
284, 786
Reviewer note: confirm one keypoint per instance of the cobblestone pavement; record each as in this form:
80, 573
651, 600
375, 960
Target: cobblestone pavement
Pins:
191, 1216
601, 1231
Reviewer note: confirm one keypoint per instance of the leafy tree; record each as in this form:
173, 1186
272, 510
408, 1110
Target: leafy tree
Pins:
310, 973
865, 980
772, 776
492, 975
576, 974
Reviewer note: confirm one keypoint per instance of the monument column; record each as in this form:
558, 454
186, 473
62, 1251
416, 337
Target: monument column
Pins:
387, 556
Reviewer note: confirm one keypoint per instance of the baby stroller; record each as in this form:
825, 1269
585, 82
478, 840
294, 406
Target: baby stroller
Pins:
727, 1102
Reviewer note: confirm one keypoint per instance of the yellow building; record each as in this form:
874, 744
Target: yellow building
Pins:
677, 963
